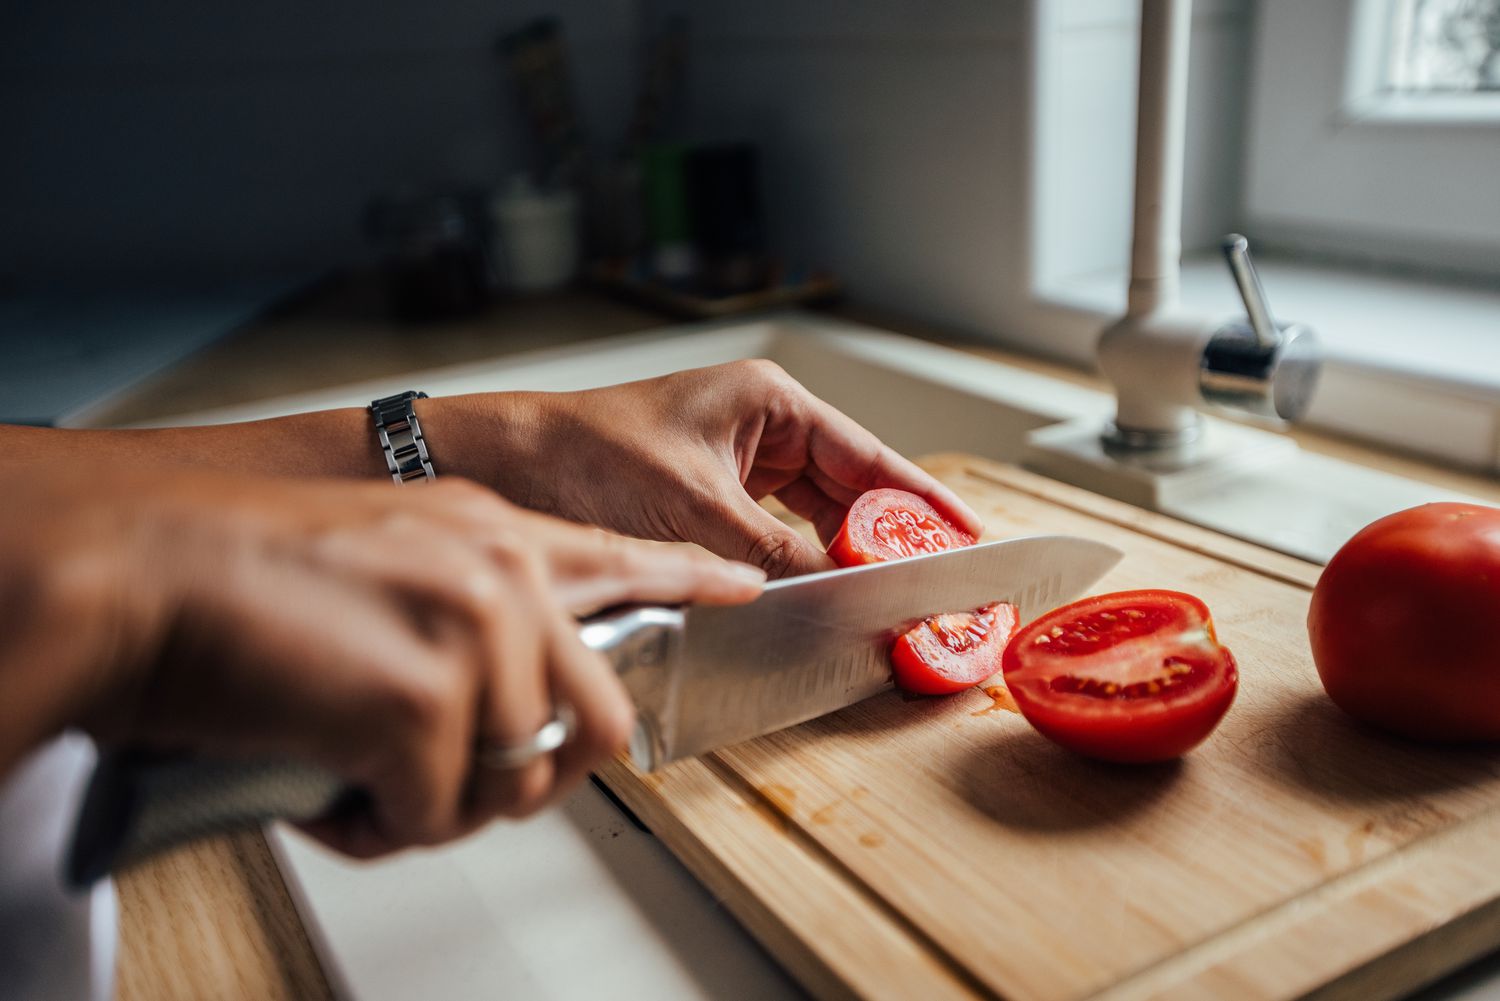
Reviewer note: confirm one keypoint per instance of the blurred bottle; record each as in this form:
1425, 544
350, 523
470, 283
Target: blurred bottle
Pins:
723, 201
669, 231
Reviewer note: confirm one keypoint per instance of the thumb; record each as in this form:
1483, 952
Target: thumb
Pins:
748, 532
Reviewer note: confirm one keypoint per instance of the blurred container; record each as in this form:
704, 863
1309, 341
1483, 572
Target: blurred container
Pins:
669, 228
616, 217
535, 236
434, 263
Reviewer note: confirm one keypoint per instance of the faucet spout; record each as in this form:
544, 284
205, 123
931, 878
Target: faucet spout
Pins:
1160, 127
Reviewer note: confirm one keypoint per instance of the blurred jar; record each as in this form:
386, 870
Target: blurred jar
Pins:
535, 236
433, 257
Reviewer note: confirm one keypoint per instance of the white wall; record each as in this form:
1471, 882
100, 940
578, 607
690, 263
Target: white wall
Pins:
1088, 51
893, 137
898, 142
897, 135
178, 135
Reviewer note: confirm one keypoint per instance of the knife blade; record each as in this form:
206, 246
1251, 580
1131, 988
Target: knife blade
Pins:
701, 677
810, 645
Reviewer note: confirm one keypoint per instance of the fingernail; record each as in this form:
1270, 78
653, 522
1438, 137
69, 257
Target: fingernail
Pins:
747, 573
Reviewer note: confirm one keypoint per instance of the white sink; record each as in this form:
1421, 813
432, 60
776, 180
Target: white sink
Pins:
922, 398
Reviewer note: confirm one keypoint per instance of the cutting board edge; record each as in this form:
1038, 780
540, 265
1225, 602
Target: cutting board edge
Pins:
1465, 856
899, 961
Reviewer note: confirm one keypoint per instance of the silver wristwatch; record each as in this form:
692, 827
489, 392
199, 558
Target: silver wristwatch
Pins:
400, 437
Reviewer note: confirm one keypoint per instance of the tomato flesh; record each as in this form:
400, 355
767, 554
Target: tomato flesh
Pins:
1132, 676
954, 651
893, 524
1403, 623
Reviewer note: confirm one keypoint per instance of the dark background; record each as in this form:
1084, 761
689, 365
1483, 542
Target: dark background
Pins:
201, 138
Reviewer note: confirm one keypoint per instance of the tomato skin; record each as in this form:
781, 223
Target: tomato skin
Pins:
1405, 623
890, 524
930, 660
1170, 682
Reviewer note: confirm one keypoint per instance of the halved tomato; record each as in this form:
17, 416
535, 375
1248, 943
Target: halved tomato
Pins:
948, 653
1129, 676
891, 524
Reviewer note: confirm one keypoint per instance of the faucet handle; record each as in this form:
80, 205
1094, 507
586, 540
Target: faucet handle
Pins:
1237, 253
1261, 368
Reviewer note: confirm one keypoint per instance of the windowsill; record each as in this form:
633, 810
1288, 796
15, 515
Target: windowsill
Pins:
1410, 363
1482, 110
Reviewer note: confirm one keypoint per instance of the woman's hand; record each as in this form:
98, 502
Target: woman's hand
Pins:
381, 632
685, 457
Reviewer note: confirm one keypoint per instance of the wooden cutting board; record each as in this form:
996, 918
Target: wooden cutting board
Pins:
939, 848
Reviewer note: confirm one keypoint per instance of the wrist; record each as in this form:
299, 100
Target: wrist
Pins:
497, 439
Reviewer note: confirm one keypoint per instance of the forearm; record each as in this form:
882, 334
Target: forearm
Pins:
485, 437
325, 443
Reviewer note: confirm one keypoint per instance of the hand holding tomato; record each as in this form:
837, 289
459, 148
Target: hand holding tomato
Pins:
685, 458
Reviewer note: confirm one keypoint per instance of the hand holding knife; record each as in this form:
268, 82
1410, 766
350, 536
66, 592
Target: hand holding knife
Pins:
701, 677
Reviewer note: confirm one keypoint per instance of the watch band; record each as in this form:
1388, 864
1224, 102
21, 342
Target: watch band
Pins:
400, 437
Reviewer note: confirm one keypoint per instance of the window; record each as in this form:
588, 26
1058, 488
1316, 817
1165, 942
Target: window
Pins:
1340, 157
1443, 46
1375, 131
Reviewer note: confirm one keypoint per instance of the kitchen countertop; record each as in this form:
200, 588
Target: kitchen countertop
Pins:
215, 918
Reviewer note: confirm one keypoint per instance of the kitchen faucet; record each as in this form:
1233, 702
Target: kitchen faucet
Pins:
1167, 364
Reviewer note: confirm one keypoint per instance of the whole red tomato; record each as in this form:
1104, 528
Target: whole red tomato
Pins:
1405, 623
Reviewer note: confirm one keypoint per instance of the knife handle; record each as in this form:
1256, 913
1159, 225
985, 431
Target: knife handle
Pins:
140, 803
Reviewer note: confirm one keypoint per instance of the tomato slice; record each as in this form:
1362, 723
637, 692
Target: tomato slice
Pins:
957, 650
891, 524
1130, 676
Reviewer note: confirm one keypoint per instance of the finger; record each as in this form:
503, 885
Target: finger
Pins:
477, 602
742, 529
584, 681
593, 569
517, 700
426, 731
379, 702
805, 498
845, 457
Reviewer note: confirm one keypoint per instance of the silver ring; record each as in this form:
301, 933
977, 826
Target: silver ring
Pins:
546, 740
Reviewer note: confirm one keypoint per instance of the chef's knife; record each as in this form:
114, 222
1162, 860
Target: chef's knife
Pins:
701, 677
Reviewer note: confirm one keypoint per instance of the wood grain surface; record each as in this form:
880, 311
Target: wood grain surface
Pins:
1293, 853
213, 920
